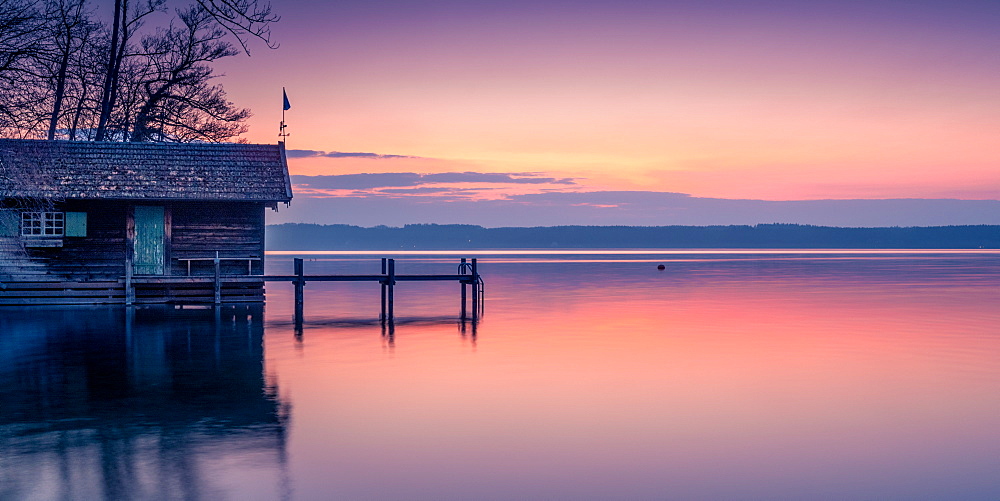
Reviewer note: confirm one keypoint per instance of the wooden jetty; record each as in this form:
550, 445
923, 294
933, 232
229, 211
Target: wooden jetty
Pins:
467, 275
218, 287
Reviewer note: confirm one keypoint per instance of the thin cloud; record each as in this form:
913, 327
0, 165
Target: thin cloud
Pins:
492, 177
372, 181
343, 154
641, 208
659, 199
430, 190
303, 153
340, 154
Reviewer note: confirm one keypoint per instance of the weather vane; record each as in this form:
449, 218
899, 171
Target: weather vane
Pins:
284, 107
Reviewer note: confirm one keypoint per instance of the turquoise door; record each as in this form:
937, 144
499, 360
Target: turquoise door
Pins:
148, 256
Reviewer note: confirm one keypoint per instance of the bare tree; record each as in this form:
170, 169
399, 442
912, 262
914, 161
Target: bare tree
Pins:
179, 102
69, 32
20, 35
20, 31
64, 75
128, 18
244, 19
84, 86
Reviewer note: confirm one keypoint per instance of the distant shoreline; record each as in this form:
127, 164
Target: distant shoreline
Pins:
431, 237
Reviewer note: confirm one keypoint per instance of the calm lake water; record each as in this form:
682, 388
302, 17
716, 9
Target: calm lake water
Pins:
729, 375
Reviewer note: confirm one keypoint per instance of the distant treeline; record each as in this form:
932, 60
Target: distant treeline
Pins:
292, 236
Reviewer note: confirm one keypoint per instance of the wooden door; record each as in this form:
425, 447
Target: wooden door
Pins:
148, 255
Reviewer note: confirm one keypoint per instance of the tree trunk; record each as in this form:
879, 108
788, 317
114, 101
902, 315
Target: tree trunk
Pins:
60, 87
111, 77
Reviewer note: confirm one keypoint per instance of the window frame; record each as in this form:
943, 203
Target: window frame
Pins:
43, 224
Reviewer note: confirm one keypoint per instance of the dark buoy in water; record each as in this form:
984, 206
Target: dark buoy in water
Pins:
661, 267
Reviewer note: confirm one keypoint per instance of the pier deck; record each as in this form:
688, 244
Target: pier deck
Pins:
218, 288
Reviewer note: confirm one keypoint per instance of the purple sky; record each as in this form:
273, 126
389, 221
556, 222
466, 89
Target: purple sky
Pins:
588, 112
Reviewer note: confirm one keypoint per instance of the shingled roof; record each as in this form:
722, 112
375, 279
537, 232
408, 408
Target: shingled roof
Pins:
125, 171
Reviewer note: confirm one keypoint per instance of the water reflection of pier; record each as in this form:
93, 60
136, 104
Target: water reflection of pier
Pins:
128, 403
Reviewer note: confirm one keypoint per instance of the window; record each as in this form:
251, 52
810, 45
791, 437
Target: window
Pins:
43, 224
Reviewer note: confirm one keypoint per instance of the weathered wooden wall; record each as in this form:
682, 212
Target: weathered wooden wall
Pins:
98, 256
92, 268
234, 229
101, 254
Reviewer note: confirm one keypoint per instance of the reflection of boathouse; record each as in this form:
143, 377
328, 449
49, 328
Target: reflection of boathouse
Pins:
143, 403
86, 222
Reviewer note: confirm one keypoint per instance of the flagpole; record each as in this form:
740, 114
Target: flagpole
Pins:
284, 106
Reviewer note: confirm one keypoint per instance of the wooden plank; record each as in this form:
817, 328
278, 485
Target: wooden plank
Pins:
68, 292
168, 219
114, 293
422, 278
58, 301
43, 242
63, 293
364, 278
220, 259
226, 279
205, 286
201, 301
59, 285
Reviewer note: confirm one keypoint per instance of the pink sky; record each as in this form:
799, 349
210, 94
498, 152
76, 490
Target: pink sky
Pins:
764, 100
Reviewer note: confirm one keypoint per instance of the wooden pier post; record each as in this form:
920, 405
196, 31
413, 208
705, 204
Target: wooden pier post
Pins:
475, 294
300, 283
390, 282
461, 270
218, 280
381, 315
129, 288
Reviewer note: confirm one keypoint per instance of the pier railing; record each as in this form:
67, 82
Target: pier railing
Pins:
468, 276
218, 287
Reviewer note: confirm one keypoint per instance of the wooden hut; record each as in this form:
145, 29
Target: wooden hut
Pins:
103, 222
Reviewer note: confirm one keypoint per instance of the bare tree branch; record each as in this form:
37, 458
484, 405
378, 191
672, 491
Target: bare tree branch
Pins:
64, 75
244, 19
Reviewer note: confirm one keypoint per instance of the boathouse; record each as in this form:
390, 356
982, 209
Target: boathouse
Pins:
107, 222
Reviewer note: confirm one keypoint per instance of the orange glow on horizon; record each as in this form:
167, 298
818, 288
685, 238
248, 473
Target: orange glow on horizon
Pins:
812, 102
